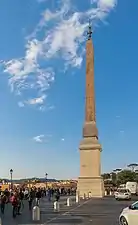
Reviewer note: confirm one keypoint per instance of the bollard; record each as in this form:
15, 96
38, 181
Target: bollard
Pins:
77, 198
36, 213
56, 206
89, 195
110, 192
84, 196
68, 202
105, 193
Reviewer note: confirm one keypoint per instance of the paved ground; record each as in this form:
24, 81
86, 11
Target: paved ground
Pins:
95, 212
47, 212
91, 212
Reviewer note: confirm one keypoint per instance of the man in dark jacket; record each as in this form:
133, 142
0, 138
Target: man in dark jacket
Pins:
3, 202
38, 196
31, 198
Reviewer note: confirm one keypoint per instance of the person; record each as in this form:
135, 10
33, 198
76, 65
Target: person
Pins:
57, 195
30, 198
7, 194
21, 197
26, 192
49, 194
45, 192
15, 204
3, 200
38, 196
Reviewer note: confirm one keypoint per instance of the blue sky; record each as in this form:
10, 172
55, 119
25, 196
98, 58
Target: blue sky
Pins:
42, 84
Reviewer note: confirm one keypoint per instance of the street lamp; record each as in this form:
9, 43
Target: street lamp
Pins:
46, 179
11, 172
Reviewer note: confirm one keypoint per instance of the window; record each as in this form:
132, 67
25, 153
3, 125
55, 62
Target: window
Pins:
122, 190
135, 205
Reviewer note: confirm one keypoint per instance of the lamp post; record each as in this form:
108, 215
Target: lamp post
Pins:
11, 172
46, 179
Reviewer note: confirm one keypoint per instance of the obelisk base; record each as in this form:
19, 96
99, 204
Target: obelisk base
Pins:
90, 185
90, 180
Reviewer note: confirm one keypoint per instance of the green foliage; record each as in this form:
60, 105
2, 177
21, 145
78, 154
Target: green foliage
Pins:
106, 176
133, 166
125, 176
114, 178
119, 176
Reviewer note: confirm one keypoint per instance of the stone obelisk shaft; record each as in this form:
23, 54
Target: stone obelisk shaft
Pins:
90, 97
90, 129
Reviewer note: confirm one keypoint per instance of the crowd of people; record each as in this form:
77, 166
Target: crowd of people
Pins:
17, 197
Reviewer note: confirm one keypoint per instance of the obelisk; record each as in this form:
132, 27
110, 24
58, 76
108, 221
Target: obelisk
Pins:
90, 181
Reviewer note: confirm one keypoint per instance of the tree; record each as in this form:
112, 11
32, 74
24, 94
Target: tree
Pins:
114, 178
125, 176
133, 166
106, 176
117, 170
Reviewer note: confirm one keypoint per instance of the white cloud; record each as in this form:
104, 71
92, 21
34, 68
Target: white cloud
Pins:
21, 104
42, 138
39, 138
62, 139
61, 40
46, 107
107, 4
65, 40
36, 101
39, 101
26, 73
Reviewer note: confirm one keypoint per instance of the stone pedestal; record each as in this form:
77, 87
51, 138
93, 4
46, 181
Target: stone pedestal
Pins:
90, 168
91, 184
